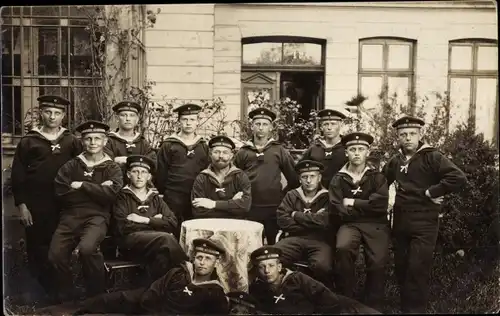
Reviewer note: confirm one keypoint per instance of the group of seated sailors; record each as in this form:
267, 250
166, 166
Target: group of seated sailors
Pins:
72, 192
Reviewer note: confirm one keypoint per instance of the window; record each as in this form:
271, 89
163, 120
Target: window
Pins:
473, 84
283, 66
385, 63
47, 50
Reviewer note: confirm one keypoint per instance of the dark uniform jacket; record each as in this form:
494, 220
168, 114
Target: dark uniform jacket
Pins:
178, 164
176, 294
118, 146
36, 162
92, 199
426, 169
370, 194
333, 158
206, 185
311, 218
127, 203
264, 168
301, 294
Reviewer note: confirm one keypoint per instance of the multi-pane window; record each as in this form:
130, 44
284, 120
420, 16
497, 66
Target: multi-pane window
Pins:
47, 50
473, 84
385, 63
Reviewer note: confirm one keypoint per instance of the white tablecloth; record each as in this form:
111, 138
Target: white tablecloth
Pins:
239, 238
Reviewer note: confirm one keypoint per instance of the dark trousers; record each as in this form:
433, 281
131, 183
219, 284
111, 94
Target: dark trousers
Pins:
317, 253
267, 217
86, 236
160, 250
120, 302
38, 237
375, 239
414, 238
180, 205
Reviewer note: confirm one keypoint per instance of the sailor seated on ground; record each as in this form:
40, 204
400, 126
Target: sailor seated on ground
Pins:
282, 291
143, 221
191, 288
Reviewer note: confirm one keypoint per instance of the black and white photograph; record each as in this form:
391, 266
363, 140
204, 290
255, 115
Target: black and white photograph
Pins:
251, 158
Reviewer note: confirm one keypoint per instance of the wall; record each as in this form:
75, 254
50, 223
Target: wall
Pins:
180, 52
194, 51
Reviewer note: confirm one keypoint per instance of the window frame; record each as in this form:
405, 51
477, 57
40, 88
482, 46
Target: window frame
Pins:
385, 72
284, 39
473, 74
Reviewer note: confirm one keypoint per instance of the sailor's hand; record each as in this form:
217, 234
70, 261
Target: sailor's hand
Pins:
347, 202
107, 183
238, 195
26, 218
76, 185
204, 202
437, 200
121, 160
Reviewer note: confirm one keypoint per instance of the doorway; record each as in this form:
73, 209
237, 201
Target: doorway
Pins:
306, 88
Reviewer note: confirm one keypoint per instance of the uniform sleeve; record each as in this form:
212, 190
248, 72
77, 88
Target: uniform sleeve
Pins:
198, 191
18, 175
121, 209
105, 194
284, 215
149, 152
109, 149
168, 221
216, 302
327, 302
63, 181
378, 201
336, 196
77, 146
389, 171
239, 206
288, 169
451, 178
153, 298
161, 167
238, 159
318, 220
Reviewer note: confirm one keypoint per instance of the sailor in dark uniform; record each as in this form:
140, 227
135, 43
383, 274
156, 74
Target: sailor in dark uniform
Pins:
188, 289
181, 158
303, 217
359, 196
328, 148
127, 140
422, 176
264, 160
144, 223
283, 292
221, 190
86, 188
242, 303
38, 157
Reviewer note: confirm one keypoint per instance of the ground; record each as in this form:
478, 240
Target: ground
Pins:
460, 284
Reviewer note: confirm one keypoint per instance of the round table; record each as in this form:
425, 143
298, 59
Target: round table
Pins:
239, 238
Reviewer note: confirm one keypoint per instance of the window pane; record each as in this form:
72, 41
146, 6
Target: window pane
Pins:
81, 56
486, 98
371, 87
460, 101
262, 53
487, 58
461, 57
11, 109
11, 57
372, 56
49, 56
399, 57
398, 89
84, 102
301, 54
45, 10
